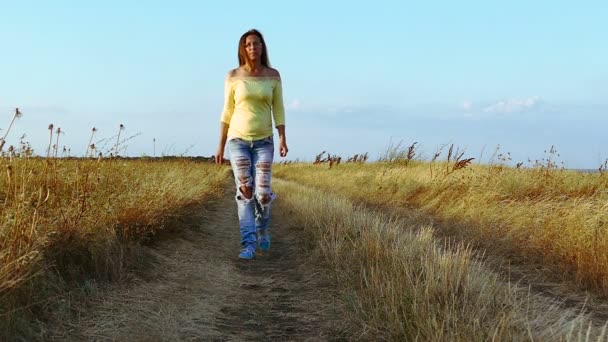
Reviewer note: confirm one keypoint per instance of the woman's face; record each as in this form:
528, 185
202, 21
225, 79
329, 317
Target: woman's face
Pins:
253, 47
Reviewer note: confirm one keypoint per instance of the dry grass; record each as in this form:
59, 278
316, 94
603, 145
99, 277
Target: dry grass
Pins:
557, 216
403, 286
74, 219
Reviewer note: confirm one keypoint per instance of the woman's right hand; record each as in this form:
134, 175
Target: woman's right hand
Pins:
219, 155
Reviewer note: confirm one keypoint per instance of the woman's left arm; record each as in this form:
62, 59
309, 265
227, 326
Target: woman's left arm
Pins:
278, 112
282, 141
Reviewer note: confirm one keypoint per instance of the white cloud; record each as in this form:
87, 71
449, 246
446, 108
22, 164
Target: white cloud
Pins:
514, 105
466, 105
294, 105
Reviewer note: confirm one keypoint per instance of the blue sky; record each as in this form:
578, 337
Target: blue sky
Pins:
356, 76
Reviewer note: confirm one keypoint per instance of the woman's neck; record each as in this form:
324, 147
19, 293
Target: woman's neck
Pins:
254, 68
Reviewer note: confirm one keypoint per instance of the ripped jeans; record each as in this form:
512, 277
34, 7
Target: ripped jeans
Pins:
252, 165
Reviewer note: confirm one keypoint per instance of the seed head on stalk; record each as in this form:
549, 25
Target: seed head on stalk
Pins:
11, 152
120, 129
16, 115
48, 149
58, 131
90, 145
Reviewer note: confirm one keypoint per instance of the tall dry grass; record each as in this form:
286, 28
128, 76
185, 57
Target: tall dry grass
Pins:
68, 220
77, 220
403, 286
557, 216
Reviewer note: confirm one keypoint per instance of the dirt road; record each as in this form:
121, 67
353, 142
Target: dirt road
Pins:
195, 289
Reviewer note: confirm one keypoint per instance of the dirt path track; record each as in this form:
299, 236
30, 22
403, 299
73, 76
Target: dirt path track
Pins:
197, 290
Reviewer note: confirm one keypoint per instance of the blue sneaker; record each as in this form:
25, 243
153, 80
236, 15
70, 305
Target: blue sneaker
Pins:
264, 240
247, 253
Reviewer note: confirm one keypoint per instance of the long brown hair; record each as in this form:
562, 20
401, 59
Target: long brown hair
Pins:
243, 59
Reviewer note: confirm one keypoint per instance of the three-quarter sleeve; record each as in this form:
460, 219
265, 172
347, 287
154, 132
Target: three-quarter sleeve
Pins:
278, 110
228, 102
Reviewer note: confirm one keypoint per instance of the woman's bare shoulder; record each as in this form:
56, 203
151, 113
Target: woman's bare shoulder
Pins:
273, 73
240, 72
232, 73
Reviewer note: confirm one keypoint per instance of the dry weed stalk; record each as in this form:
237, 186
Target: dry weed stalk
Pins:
16, 115
120, 129
411, 151
330, 160
456, 156
435, 157
48, 149
319, 158
461, 164
398, 153
90, 145
56, 146
357, 158
603, 167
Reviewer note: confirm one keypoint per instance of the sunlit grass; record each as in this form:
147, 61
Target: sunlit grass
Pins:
63, 204
559, 216
404, 286
73, 219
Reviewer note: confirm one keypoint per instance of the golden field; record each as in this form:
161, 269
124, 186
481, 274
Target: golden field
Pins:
68, 222
401, 284
559, 217
76, 218
422, 249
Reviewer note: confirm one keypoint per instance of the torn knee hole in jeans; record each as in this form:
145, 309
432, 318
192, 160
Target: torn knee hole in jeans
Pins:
245, 181
265, 198
243, 163
242, 173
263, 178
264, 166
245, 192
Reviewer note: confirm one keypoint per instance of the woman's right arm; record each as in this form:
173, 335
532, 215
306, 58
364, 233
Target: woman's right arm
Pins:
225, 117
219, 155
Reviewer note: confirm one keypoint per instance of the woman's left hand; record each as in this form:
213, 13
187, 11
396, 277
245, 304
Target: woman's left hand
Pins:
283, 148
282, 141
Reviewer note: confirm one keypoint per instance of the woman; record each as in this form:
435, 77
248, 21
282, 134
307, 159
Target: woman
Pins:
253, 98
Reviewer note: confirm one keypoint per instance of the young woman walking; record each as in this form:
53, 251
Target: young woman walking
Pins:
253, 99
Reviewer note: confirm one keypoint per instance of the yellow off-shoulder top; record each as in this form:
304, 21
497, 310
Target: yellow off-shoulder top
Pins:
250, 105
